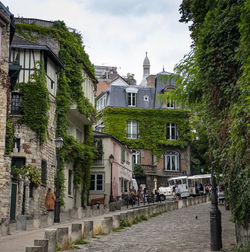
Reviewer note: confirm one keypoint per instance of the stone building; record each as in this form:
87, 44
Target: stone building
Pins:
28, 150
6, 35
156, 130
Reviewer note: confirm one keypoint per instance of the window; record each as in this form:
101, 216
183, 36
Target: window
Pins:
132, 129
97, 182
136, 157
18, 144
44, 172
170, 104
172, 133
171, 161
16, 100
145, 98
101, 103
70, 182
78, 136
131, 99
122, 155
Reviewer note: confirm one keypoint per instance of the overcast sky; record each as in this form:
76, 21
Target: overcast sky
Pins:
119, 32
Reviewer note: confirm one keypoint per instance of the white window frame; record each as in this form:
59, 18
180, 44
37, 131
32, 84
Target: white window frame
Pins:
136, 157
101, 103
95, 182
174, 161
170, 104
132, 125
132, 99
172, 128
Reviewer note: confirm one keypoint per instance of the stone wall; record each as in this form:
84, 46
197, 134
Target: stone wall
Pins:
4, 93
34, 153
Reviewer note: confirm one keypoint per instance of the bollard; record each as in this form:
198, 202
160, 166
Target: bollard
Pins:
130, 217
116, 221
5, 226
21, 223
62, 236
87, 211
180, 204
42, 243
107, 224
34, 249
50, 235
50, 218
76, 232
37, 220
101, 207
88, 229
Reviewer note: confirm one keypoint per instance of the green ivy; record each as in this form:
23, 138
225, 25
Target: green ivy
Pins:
33, 174
74, 59
152, 127
213, 80
36, 103
9, 138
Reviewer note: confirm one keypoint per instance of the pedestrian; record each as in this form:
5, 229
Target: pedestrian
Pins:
177, 192
50, 200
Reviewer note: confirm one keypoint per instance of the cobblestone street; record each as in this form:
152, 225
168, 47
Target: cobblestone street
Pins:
172, 231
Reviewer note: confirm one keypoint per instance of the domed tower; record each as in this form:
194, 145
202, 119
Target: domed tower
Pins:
146, 70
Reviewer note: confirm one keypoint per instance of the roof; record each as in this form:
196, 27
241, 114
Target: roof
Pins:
5, 9
146, 61
22, 43
105, 135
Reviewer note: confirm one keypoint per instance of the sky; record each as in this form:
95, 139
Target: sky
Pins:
119, 32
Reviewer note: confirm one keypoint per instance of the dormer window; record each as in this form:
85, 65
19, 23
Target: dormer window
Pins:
131, 94
132, 99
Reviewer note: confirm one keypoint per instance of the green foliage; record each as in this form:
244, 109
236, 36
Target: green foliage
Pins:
9, 137
36, 103
74, 59
245, 248
152, 127
33, 174
138, 170
213, 80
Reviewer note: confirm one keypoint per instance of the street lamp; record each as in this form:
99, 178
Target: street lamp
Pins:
111, 160
59, 145
215, 214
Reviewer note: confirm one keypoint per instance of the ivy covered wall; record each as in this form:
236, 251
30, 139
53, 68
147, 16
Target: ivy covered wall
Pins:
69, 91
152, 127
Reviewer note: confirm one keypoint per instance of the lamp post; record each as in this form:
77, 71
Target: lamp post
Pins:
111, 160
215, 214
59, 144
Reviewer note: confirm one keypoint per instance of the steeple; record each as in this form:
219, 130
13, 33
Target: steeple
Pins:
146, 70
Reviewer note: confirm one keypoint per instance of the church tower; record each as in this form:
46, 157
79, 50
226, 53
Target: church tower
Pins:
146, 70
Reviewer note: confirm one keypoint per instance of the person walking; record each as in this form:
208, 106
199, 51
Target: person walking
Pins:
50, 200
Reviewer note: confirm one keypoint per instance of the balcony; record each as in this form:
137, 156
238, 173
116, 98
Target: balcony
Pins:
149, 169
98, 162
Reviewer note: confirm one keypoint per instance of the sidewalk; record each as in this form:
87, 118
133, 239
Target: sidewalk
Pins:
18, 240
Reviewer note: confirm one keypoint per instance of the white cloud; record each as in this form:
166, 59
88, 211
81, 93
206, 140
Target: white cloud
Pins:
118, 33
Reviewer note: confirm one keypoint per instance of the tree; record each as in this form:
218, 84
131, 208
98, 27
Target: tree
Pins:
213, 80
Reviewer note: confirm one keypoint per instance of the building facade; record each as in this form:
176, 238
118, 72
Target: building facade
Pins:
111, 173
156, 130
6, 35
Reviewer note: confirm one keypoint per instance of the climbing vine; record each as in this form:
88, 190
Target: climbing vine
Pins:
152, 127
213, 80
74, 59
9, 138
36, 103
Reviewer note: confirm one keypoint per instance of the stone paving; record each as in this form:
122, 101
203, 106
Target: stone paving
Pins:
172, 231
